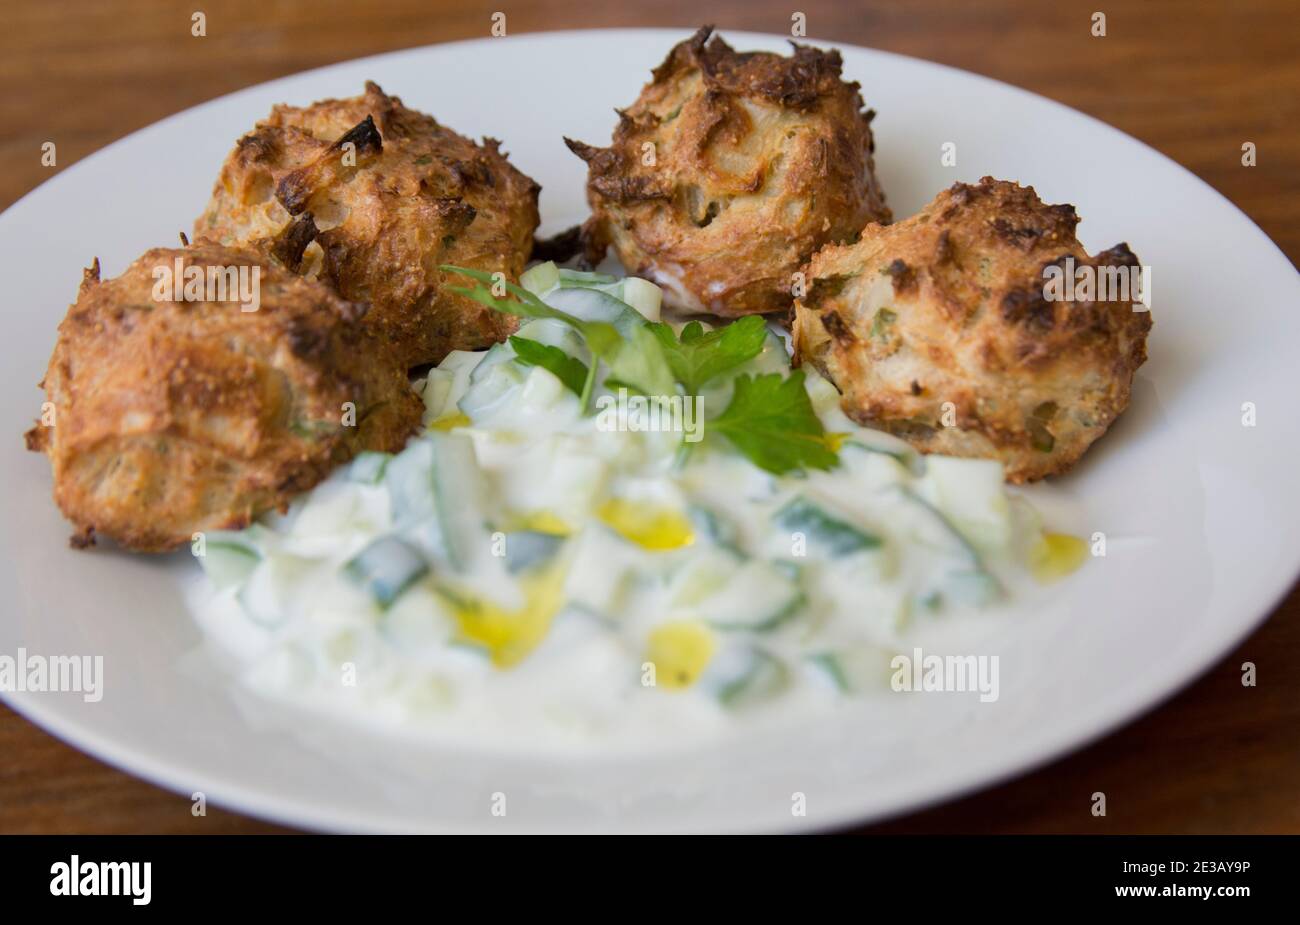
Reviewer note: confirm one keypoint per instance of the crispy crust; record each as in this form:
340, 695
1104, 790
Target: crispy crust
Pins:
1032, 382
759, 160
177, 417
411, 195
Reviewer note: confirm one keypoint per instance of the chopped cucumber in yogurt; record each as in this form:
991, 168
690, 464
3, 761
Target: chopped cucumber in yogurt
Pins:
527, 566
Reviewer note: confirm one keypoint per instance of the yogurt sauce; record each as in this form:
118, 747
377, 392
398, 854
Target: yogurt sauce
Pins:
524, 574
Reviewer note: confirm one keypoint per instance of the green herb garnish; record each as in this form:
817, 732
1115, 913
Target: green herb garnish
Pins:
771, 421
569, 370
697, 357
770, 418
635, 364
639, 365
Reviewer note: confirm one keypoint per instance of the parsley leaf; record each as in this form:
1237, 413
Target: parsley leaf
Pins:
698, 357
636, 363
528, 306
639, 364
771, 420
569, 370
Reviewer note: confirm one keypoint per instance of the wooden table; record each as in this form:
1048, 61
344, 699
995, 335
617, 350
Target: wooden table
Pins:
1194, 79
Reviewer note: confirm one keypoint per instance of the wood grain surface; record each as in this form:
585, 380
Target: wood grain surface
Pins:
1195, 80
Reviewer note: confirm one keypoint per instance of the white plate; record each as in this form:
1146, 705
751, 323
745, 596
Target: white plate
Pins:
1199, 510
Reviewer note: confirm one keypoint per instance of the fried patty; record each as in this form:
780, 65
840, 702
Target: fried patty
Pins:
165, 418
951, 306
729, 171
372, 197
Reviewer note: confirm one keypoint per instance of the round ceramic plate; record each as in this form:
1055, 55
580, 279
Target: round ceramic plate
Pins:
1196, 506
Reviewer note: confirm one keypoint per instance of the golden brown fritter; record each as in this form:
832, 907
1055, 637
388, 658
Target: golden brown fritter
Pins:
950, 306
729, 171
384, 194
171, 417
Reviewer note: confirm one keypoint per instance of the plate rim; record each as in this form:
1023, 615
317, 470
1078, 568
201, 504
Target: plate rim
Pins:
1099, 721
